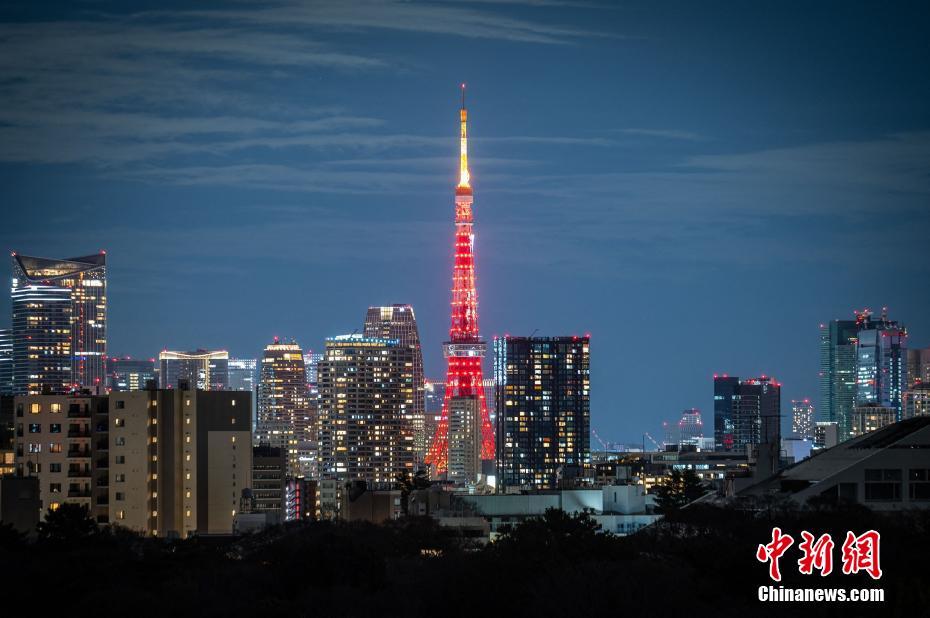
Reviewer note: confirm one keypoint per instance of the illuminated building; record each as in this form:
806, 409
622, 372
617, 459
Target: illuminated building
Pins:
433, 394
725, 388
284, 414
872, 417
59, 324
826, 434
465, 349
203, 369
269, 480
802, 418
544, 402
6, 361
180, 460
242, 374
881, 362
917, 400
311, 359
62, 440
749, 411
918, 367
399, 322
130, 374
690, 428
838, 373
366, 429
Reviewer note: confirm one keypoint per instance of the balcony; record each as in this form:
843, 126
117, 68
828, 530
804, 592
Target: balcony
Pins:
79, 472
102, 445
76, 412
79, 452
79, 433
103, 463
79, 493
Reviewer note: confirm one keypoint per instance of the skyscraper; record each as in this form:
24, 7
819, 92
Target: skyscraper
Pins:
918, 367
881, 362
399, 322
725, 390
802, 418
366, 408
203, 369
130, 374
465, 349
59, 323
241, 372
283, 409
311, 359
543, 396
838, 374
6, 361
690, 428
748, 412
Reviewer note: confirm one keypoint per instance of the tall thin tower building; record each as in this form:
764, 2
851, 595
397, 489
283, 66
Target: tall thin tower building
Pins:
458, 453
399, 322
283, 408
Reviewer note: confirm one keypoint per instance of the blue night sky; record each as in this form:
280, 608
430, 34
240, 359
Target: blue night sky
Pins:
696, 184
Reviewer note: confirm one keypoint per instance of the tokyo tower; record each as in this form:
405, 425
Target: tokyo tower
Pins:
464, 436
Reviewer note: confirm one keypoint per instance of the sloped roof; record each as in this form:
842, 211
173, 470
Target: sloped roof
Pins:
43, 269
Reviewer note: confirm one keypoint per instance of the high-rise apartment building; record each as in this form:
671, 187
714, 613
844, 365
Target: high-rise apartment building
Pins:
872, 417
838, 340
748, 412
284, 411
242, 374
367, 394
399, 322
918, 366
202, 369
130, 374
6, 361
179, 460
59, 324
544, 410
62, 440
802, 418
311, 359
881, 362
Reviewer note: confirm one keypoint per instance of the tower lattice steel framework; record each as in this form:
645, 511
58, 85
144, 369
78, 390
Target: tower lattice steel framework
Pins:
465, 349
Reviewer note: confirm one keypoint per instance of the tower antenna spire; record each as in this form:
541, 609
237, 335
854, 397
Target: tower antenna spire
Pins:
464, 176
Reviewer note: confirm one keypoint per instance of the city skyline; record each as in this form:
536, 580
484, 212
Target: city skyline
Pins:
612, 196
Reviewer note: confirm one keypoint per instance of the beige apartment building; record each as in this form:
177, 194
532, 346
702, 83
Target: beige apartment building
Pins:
179, 460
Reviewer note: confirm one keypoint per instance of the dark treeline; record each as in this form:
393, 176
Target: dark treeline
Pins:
699, 561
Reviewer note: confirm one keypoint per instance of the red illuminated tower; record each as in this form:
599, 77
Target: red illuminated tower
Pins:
465, 349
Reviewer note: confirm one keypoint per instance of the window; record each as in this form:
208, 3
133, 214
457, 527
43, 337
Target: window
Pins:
54, 428
120, 478
120, 514
35, 447
19, 409
35, 408
35, 428
54, 467
54, 447
120, 404
120, 496
882, 485
55, 408
54, 488
120, 441
120, 459
119, 422
919, 484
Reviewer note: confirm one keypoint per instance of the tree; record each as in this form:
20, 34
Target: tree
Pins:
678, 490
407, 484
68, 523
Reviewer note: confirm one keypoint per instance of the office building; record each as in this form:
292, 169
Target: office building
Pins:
748, 412
826, 434
180, 460
269, 480
690, 428
881, 362
241, 373
59, 324
917, 400
6, 361
543, 397
802, 419
918, 366
399, 322
366, 413
202, 369
130, 374
284, 412
63, 441
872, 417
838, 340
311, 359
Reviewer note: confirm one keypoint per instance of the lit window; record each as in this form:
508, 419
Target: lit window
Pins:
35, 408
55, 408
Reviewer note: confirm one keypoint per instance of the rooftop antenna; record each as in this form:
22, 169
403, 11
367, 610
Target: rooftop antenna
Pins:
534, 332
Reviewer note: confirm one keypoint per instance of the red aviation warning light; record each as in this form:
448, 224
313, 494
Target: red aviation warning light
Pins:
465, 349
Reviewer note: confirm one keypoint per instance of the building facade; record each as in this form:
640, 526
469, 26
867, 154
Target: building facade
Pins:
130, 374
399, 322
881, 362
543, 399
202, 369
748, 412
366, 413
725, 390
285, 418
802, 419
918, 367
838, 340
59, 310
179, 460
6, 361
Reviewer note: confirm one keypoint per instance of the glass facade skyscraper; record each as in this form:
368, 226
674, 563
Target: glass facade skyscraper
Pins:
285, 417
59, 323
130, 374
6, 361
838, 374
881, 362
543, 403
746, 412
202, 369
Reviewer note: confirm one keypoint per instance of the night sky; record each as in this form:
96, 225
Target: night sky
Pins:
696, 184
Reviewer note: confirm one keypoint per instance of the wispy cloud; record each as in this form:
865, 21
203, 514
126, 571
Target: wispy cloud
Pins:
664, 134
